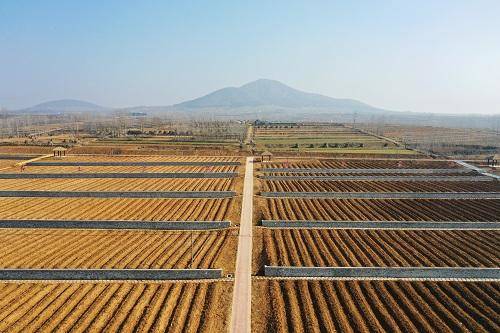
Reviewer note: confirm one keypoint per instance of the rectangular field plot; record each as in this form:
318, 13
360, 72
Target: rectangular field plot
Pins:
117, 306
361, 164
123, 169
377, 186
378, 248
117, 249
146, 158
117, 184
375, 306
120, 209
381, 209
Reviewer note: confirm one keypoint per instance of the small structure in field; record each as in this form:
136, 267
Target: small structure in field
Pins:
59, 151
266, 155
493, 160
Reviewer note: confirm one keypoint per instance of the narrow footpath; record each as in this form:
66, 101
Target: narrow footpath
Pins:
242, 296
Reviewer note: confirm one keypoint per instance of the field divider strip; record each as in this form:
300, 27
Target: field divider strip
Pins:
76, 164
384, 178
383, 195
176, 175
95, 194
374, 171
477, 169
114, 224
429, 225
109, 274
385, 272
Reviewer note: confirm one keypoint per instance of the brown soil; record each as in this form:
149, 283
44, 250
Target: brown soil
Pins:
368, 306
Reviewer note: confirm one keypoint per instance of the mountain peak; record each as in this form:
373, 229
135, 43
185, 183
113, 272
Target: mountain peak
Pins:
266, 92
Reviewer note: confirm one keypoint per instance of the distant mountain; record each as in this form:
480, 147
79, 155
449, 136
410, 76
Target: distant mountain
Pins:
274, 93
64, 105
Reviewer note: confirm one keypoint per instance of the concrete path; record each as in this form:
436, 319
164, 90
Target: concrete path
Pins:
382, 195
115, 224
385, 272
194, 163
367, 171
120, 194
385, 225
109, 274
384, 178
242, 297
82, 175
475, 168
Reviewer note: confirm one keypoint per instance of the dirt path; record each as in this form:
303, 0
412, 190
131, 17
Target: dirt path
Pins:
241, 311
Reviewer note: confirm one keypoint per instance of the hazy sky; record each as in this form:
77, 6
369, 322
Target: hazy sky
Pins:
425, 56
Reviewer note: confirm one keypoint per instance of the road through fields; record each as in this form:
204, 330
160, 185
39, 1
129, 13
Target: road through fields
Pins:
241, 310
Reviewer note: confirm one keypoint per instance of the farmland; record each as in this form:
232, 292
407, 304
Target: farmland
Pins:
149, 158
380, 248
301, 138
119, 209
377, 186
53, 248
355, 306
50, 233
134, 184
115, 306
360, 164
381, 209
123, 169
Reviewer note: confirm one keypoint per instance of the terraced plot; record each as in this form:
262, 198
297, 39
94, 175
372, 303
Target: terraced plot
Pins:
379, 248
120, 209
94, 249
117, 306
362, 164
375, 306
377, 186
381, 209
123, 169
117, 184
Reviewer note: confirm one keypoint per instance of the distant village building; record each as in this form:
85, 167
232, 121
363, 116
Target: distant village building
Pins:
59, 151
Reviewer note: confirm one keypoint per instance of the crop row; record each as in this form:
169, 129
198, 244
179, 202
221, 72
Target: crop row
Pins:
377, 186
117, 209
363, 164
382, 209
113, 307
380, 248
94, 249
146, 158
122, 169
117, 184
375, 306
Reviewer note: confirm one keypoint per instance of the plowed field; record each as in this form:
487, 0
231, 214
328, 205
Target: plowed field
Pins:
120, 169
94, 249
381, 209
117, 184
119, 209
130, 158
380, 248
114, 307
375, 306
377, 186
363, 164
